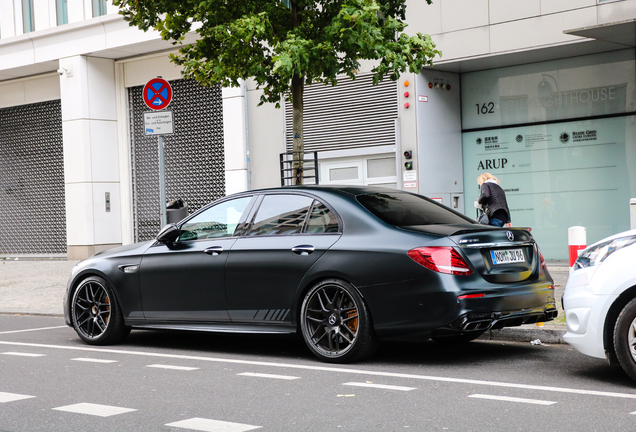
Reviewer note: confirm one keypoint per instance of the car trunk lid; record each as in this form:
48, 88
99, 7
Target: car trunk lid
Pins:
500, 255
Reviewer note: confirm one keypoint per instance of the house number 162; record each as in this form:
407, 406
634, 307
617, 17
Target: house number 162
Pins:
486, 108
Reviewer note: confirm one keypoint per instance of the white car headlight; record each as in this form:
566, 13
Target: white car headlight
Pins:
596, 254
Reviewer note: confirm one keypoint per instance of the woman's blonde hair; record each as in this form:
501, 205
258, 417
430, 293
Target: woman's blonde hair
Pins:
486, 176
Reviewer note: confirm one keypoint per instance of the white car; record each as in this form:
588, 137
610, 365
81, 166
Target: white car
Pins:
600, 301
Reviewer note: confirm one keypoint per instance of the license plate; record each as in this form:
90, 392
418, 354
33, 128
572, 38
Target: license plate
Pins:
507, 256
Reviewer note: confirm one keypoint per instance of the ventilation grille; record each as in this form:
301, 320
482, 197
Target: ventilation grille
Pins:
194, 154
352, 114
32, 198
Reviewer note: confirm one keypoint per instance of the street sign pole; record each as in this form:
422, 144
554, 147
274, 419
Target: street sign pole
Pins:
157, 95
162, 180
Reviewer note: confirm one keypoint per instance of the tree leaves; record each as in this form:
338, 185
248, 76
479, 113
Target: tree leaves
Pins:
257, 39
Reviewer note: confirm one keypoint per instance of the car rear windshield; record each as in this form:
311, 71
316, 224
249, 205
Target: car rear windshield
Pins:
404, 209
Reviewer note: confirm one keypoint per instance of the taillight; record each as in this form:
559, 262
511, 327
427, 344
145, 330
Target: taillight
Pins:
442, 259
544, 265
470, 296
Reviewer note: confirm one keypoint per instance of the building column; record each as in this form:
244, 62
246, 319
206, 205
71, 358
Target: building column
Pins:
91, 156
235, 140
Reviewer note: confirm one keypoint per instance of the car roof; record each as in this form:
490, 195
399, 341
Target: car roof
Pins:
342, 189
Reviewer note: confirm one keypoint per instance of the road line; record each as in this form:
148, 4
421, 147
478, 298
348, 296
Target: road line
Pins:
12, 397
35, 329
512, 399
23, 354
208, 425
94, 360
94, 409
380, 386
262, 375
332, 369
163, 366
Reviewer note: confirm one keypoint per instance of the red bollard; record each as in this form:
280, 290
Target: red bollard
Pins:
577, 241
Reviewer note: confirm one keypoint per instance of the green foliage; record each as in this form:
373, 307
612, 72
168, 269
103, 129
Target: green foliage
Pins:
260, 39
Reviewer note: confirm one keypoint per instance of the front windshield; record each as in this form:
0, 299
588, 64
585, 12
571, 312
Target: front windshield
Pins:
405, 209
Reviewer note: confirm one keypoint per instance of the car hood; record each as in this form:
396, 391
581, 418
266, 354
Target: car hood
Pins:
127, 250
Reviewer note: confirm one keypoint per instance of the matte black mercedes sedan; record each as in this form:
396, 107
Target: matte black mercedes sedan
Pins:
342, 266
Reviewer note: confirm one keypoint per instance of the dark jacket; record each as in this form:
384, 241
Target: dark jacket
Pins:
493, 198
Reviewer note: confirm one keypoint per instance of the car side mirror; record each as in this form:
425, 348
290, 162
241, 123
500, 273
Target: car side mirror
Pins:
168, 234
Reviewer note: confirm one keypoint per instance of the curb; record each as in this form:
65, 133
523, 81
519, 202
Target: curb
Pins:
526, 334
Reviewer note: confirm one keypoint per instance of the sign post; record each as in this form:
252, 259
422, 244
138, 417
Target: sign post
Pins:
157, 95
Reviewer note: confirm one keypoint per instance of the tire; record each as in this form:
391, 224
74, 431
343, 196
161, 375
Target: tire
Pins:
625, 339
336, 324
95, 313
458, 338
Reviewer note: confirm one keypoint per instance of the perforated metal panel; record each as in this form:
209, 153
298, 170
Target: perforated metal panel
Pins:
352, 114
195, 167
32, 198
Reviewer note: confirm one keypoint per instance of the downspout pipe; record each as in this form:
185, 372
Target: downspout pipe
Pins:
247, 137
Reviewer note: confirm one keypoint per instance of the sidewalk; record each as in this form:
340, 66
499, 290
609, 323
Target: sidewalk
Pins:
37, 286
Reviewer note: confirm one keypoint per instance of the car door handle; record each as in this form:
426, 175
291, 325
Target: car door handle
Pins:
213, 250
303, 249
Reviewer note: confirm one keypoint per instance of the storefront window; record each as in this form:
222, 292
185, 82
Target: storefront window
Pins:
28, 21
99, 8
561, 141
62, 11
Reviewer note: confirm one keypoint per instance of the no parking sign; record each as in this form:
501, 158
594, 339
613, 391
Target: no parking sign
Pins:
157, 93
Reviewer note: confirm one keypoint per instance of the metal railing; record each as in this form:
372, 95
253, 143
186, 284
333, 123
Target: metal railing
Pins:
309, 165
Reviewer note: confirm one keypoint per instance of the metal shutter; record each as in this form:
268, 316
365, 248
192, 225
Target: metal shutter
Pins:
32, 194
195, 156
353, 114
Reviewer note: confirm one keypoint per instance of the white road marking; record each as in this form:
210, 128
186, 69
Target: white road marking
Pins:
23, 354
207, 425
262, 375
94, 360
380, 386
94, 409
35, 329
163, 366
332, 369
512, 399
11, 397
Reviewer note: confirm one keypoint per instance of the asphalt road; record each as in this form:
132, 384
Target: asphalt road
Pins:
171, 381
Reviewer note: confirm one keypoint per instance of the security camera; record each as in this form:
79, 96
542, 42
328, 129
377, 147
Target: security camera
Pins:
68, 71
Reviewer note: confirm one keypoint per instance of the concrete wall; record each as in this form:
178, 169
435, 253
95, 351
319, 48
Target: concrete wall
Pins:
470, 28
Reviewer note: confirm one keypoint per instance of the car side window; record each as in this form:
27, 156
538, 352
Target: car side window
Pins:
220, 220
281, 215
321, 220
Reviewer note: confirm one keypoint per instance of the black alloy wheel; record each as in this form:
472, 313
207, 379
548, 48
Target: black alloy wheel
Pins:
625, 339
336, 324
96, 316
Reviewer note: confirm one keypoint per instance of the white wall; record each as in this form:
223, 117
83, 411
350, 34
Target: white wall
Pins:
470, 28
29, 90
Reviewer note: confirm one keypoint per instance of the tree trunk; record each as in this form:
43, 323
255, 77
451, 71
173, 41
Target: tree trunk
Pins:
298, 84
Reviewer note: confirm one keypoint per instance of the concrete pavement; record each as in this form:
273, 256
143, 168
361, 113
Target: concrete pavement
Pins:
36, 287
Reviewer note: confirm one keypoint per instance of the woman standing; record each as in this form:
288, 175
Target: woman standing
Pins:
493, 200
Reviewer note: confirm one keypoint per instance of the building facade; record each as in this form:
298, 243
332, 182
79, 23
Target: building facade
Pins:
538, 92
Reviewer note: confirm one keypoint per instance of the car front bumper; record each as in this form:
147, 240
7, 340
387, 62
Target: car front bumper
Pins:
585, 314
